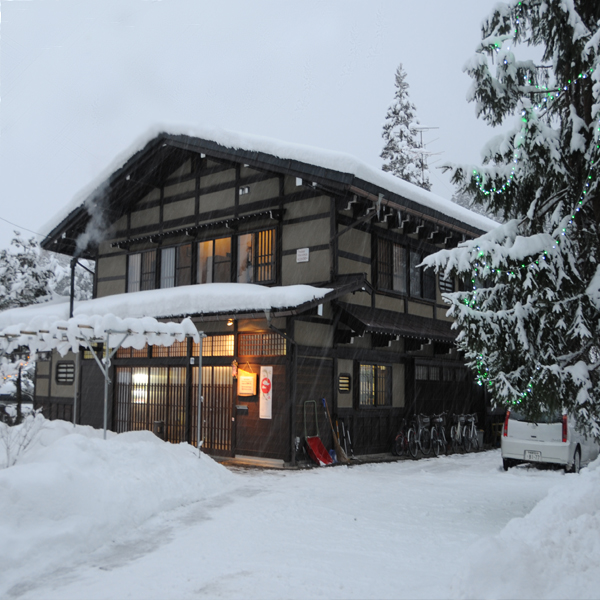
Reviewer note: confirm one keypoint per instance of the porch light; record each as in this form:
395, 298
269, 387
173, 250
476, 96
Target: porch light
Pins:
230, 323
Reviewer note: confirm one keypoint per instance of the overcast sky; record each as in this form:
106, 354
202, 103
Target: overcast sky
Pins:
81, 79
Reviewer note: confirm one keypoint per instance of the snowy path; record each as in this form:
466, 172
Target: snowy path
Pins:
396, 530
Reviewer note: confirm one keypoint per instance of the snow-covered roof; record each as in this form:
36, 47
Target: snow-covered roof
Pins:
47, 326
138, 311
326, 159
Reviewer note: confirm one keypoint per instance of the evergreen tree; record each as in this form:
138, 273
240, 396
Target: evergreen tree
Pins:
530, 318
29, 275
402, 153
24, 279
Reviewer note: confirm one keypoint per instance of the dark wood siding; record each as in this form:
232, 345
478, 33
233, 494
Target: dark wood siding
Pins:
264, 437
314, 381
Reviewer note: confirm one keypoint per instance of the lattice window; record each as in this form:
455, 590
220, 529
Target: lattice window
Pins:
391, 266
65, 372
421, 372
261, 344
132, 352
374, 385
344, 383
256, 257
434, 373
178, 349
446, 284
216, 345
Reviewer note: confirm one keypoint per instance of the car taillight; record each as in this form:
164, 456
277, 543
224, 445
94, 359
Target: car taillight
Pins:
505, 430
564, 428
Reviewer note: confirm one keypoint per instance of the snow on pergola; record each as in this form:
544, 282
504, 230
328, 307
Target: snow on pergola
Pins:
46, 332
118, 321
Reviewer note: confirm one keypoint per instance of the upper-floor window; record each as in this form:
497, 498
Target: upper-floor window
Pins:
391, 261
256, 257
214, 261
398, 271
141, 271
176, 266
446, 284
256, 262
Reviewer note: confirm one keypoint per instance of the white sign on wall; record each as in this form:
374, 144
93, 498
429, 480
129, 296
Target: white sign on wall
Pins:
266, 393
302, 255
246, 383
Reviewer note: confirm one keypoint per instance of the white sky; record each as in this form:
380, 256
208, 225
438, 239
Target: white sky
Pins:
81, 79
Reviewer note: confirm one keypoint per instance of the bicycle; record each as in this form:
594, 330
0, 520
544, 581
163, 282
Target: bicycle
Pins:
438, 434
456, 433
400, 443
471, 438
421, 438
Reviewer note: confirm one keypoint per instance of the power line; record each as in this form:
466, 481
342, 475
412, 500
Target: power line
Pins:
21, 227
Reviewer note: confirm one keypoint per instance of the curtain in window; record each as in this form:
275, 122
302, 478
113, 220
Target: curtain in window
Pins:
134, 271
167, 268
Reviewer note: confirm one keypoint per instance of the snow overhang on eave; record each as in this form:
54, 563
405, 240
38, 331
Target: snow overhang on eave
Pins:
332, 172
378, 195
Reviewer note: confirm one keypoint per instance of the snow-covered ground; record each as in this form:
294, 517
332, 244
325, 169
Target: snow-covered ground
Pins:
132, 517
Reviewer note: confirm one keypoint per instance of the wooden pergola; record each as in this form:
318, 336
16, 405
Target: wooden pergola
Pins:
48, 334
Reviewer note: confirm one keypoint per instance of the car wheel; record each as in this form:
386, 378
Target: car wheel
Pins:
576, 466
506, 464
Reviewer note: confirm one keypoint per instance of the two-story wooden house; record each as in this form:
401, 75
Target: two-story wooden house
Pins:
204, 213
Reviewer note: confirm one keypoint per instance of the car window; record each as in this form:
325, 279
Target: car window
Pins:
554, 417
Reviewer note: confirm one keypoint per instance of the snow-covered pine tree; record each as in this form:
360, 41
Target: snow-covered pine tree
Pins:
23, 276
30, 275
530, 315
402, 153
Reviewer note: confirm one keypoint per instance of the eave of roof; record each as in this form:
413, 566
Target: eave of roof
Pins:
367, 320
336, 170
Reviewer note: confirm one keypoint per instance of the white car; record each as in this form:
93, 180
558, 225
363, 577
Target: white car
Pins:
553, 440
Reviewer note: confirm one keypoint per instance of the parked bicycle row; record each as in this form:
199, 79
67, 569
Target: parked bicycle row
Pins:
424, 434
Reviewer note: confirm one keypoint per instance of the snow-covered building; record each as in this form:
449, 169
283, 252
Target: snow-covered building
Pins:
286, 257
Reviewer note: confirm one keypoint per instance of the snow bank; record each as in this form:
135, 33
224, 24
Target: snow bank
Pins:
72, 492
553, 552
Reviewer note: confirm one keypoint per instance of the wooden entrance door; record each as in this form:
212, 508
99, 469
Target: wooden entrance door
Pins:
217, 410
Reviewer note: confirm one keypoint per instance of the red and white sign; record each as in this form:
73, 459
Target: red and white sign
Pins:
266, 393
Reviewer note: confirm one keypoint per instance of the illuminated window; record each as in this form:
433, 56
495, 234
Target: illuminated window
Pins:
214, 261
256, 257
261, 344
215, 345
177, 349
375, 385
344, 383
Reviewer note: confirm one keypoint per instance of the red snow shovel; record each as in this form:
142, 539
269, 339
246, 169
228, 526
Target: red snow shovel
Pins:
314, 446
